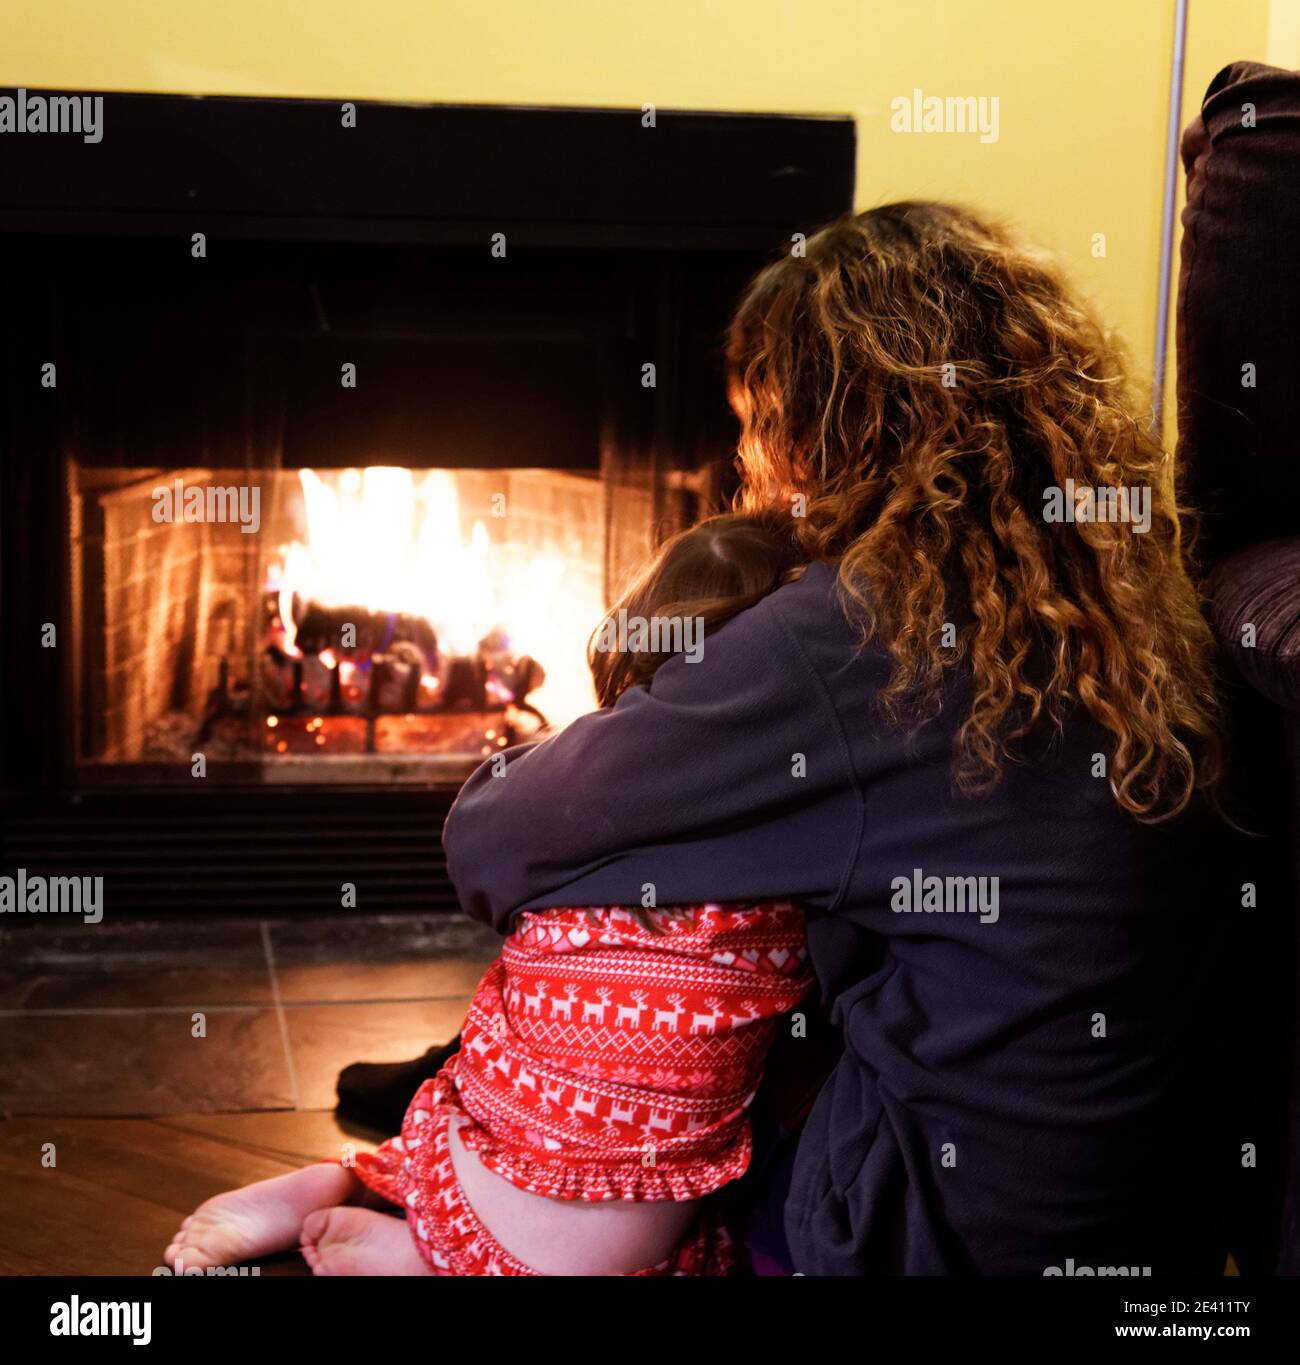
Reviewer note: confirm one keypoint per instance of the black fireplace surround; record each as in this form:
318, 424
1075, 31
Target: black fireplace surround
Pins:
499, 277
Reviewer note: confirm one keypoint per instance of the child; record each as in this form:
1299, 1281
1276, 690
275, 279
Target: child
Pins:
607, 1060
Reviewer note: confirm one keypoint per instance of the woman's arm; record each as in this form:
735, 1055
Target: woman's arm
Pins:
725, 779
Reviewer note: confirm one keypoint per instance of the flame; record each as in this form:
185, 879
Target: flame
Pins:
390, 540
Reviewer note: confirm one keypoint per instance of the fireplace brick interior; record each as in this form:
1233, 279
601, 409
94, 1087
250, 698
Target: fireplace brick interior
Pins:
174, 600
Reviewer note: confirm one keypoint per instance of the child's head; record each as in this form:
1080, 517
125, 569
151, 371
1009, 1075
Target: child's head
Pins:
694, 582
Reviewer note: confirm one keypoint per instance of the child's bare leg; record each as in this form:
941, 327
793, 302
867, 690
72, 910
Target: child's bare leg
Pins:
260, 1219
569, 1237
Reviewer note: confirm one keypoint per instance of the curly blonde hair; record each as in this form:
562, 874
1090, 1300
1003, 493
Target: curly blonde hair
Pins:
911, 387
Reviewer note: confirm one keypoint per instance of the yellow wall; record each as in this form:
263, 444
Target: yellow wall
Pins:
1083, 88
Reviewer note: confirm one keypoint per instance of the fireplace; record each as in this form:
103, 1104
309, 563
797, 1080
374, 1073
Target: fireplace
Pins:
321, 467
371, 624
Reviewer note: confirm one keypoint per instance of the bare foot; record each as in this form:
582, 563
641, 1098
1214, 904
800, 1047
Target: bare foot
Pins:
355, 1241
259, 1219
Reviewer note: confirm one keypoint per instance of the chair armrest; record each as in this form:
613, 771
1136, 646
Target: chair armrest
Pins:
1255, 611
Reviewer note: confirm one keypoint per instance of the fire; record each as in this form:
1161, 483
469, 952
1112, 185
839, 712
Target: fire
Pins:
391, 540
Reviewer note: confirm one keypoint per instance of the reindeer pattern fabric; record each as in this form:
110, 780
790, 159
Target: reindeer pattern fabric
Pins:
608, 1053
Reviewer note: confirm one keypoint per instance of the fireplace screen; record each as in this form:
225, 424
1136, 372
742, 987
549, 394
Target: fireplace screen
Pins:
353, 625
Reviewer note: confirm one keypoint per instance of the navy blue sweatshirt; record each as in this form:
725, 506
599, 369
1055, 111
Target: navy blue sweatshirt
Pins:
1018, 1091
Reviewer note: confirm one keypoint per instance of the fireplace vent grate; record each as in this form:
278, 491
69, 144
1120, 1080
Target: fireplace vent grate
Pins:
243, 854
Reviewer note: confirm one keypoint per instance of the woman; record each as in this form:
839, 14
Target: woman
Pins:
975, 741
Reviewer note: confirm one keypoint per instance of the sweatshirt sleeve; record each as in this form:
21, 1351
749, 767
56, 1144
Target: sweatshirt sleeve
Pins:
726, 778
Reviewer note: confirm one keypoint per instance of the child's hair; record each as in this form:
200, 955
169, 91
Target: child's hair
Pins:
706, 574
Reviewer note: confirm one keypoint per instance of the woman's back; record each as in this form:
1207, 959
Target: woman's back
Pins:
1021, 991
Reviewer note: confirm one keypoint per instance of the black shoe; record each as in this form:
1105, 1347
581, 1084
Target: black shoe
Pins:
377, 1094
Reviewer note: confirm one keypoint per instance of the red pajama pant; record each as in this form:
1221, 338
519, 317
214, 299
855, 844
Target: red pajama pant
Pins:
607, 1054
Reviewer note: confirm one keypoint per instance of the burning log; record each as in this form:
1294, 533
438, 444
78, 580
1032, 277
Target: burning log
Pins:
395, 678
510, 677
357, 631
395, 662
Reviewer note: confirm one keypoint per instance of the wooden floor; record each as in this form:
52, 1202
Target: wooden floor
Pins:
120, 1187
166, 1061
